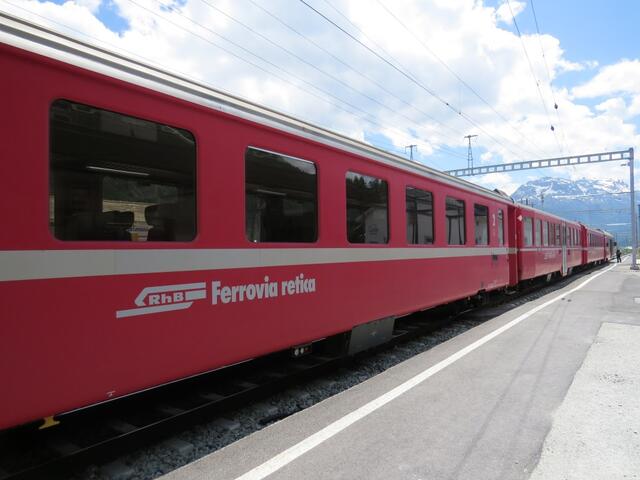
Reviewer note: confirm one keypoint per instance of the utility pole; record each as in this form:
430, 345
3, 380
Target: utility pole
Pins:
634, 227
469, 152
411, 148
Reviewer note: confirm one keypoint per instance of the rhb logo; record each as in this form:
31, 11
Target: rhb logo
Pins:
165, 298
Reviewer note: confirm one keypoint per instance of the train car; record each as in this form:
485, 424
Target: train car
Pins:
156, 229
594, 245
609, 246
547, 244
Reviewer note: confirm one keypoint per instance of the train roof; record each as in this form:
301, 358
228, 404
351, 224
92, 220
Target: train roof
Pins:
35, 38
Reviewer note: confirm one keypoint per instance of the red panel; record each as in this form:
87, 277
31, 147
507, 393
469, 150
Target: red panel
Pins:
61, 344
68, 349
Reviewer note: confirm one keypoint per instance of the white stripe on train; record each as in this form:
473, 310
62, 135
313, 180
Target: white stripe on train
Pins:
45, 264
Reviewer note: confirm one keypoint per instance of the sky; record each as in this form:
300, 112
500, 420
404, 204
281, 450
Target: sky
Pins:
401, 72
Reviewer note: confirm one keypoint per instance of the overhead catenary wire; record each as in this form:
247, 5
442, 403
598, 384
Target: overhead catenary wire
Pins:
158, 66
372, 121
349, 67
546, 65
403, 71
533, 75
315, 67
458, 78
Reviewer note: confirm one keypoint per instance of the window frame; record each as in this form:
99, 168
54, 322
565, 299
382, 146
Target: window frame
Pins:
317, 197
433, 226
134, 119
464, 221
388, 208
527, 242
475, 225
537, 232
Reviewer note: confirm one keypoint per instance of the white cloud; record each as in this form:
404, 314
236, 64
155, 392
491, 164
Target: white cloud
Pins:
501, 181
634, 107
507, 10
195, 39
622, 77
613, 106
91, 5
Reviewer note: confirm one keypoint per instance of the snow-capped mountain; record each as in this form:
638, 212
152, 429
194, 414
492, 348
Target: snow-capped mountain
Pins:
561, 187
601, 203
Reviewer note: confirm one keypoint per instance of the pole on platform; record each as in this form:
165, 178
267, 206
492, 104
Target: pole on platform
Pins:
634, 227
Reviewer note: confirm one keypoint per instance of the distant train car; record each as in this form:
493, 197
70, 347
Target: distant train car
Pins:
594, 242
547, 244
609, 246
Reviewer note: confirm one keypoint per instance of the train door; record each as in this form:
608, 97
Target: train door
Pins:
563, 241
513, 222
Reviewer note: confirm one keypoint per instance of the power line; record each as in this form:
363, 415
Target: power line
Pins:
158, 66
357, 72
526, 54
546, 65
300, 59
461, 80
408, 76
366, 114
589, 195
597, 210
309, 64
456, 110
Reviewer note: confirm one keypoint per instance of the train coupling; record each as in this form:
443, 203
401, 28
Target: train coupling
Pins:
48, 422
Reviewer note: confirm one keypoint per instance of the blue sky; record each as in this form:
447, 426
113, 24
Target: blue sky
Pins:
589, 45
589, 30
605, 31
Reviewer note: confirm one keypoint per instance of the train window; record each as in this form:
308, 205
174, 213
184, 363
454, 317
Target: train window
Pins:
500, 227
419, 216
558, 242
367, 209
455, 221
116, 177
280, 198
528, 232
538, 229
552, 234
481, 220
545, 233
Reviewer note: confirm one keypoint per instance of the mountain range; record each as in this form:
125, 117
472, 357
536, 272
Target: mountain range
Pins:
600, 203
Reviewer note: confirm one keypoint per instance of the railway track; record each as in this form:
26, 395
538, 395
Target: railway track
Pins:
105, 432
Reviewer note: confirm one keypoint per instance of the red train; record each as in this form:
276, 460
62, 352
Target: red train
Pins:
156, 229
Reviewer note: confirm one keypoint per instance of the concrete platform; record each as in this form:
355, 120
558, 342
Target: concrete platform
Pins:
596, 430
478, 406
